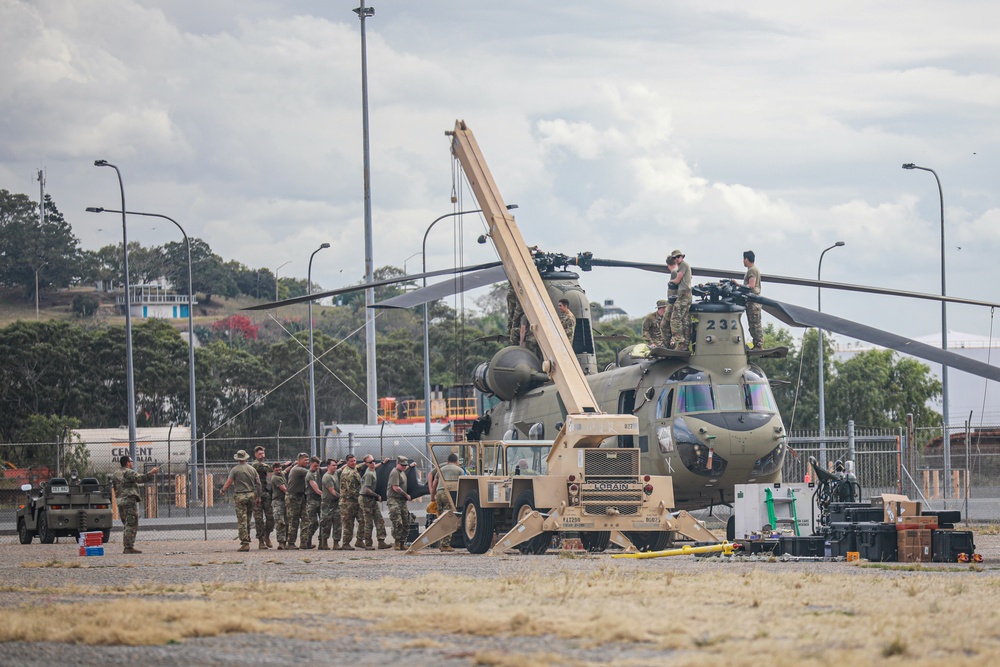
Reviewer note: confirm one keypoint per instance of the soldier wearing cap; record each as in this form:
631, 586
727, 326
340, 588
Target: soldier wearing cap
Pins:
652, 332
278, 491
680, 316
350, 488
263, 514
246, 489
371, 513
450, 472
752, 280
399, 515
125, 483
314, 498
296, 498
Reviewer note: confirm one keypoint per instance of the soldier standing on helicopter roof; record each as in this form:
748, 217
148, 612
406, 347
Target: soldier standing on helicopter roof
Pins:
752, 280
680, 316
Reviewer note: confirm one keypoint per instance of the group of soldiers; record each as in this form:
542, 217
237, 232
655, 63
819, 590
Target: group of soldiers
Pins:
295, 500
670, 324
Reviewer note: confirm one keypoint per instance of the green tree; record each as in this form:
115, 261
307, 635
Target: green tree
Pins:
877, 389
27, 246
208, 271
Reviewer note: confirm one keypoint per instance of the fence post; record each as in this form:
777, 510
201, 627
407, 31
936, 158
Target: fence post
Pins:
850, 440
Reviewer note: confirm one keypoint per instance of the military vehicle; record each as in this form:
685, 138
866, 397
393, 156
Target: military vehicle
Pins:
705, 417
64, 508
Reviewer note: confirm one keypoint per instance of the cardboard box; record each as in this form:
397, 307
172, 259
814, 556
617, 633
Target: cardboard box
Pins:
914, 546
900, 511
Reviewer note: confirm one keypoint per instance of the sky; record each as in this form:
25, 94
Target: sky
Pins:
627, 129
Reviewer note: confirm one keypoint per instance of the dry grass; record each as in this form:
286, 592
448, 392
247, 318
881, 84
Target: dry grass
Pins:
775, 617
53, 563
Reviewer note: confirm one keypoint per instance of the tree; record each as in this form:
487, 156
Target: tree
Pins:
877, 389
27, 246
208, 271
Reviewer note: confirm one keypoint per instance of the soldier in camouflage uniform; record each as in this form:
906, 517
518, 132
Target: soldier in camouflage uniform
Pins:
567, 319
528, 337
246, 489
295, 498
680, 317
329, 509
399, 515
752, 280
371, 513
125, 483
652, 333
278, 491
450, 472
314, 496
263, 514
350, 487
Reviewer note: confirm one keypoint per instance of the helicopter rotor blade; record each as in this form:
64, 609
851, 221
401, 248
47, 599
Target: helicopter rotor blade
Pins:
377, 283
804, 317
698, 272
446, 288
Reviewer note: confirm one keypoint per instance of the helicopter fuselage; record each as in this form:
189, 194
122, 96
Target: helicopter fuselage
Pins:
709, 421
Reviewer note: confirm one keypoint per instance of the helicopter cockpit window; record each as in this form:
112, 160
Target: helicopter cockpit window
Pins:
730, 397
665, 402
754, 374
695, 398
759, 397
688, 374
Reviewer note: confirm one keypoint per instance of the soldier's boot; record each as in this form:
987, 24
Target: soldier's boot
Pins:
336, 545
447, 548
369, 547
281, 546
291, 547
306, 545
398, 546
244, 547
346, 546
382, 544
359, 543
324, 544
130, 550
267, 541
262, 545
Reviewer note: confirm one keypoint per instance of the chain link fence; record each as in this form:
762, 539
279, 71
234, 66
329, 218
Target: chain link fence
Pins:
184, 501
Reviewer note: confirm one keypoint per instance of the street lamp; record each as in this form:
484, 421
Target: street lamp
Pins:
129, 376
276, 279
407, 260
312, 376
191, 394
822, 369
946, 441
427, 352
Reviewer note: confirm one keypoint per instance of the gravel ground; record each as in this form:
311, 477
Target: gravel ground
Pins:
190, 562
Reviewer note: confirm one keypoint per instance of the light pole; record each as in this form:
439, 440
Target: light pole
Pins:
276, 279
191, 394
822, 369
946, 441
40, 267
407, 260
312, 376
427, 352
365, 13
129, 375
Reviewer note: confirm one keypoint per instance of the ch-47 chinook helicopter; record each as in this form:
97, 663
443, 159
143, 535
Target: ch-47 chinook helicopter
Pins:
705, 418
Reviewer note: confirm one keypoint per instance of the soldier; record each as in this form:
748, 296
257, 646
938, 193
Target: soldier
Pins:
652, 333
671, 298
371, 513
295, 498
314, 496
566, 318
125, 483
329, 512
246, 489
278, 491
680, 319
399, 515
263, 514
752, 280
450, 472
350, 487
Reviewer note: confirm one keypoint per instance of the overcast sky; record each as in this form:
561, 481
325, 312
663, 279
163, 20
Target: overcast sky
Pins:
624, 128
